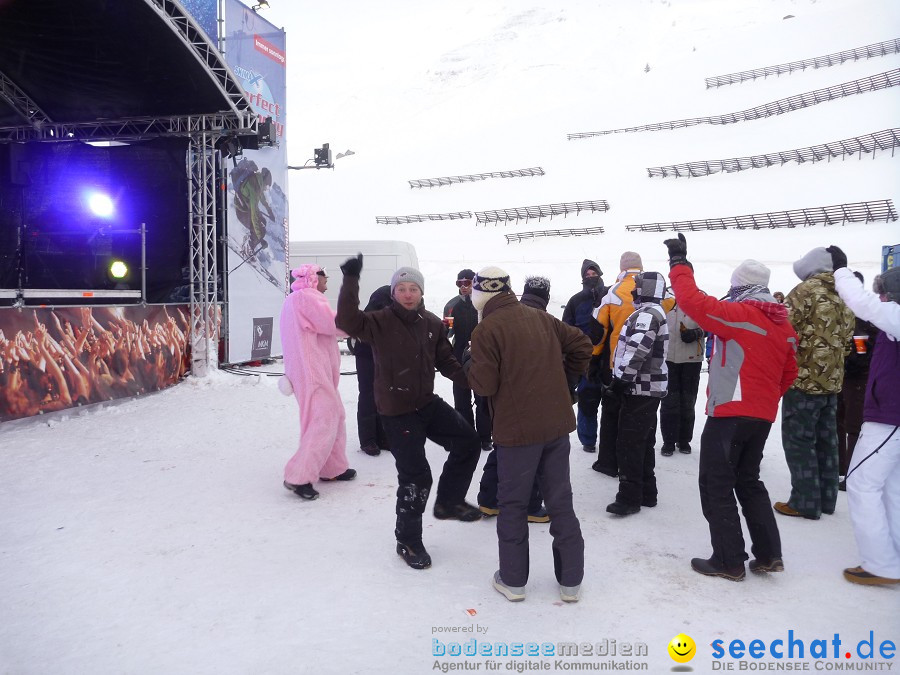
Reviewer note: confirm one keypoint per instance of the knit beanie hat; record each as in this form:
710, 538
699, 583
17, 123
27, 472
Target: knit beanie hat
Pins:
630, 260
465, 274
539, 286
888, 283
306, 276
410, 274
750, 273
815, 262
489, 283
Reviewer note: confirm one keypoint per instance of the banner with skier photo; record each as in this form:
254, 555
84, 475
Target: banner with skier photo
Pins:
257, 207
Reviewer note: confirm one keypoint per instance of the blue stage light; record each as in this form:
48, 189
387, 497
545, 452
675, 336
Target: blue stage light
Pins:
100, 204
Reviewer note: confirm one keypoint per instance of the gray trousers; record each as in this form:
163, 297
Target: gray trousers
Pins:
517, 467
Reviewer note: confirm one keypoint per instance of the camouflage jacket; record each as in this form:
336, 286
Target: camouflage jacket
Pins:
824, 325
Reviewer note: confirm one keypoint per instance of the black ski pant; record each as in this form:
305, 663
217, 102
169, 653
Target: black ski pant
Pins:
487, 493
676, 412
517, 467
634, 450
368, 423
731, 449
440, 423
610, 407
481, 420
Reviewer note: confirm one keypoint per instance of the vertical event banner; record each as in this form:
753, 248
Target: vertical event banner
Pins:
53, 359
205, 13
257, 205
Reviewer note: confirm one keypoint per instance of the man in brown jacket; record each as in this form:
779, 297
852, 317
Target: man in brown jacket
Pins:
409, 343
521, 358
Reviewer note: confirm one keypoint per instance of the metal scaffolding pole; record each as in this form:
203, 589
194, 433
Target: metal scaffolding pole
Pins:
204, 268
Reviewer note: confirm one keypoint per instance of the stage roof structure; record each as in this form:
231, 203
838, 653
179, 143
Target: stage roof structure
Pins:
129, 70
103, 70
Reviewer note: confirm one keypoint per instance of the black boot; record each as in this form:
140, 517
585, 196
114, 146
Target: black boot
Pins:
620, 509
414, 555
462, 511
713, 569
306, 491
349, 474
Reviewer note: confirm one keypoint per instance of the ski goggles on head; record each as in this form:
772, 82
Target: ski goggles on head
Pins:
463, 283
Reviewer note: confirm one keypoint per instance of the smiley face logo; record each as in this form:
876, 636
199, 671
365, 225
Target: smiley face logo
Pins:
682, 648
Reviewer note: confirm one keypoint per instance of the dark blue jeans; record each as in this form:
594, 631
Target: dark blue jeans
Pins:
589, 395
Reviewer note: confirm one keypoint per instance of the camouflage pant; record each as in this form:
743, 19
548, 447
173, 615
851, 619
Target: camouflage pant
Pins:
809, 438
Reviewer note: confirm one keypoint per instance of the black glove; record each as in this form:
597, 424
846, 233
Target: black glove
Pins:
572, 382
677, 250
595, 368
691, 335
352, 266
617, 389
466, 360
838, 257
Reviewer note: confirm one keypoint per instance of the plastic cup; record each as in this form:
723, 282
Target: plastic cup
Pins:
449, 321
860, 342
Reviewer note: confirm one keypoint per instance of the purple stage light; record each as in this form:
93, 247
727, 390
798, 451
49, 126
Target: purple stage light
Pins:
100, 204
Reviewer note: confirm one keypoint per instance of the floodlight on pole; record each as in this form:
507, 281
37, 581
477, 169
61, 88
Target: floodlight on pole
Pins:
322, 158
262, 4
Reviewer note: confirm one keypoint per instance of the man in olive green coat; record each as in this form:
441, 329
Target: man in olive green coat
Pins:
824, 325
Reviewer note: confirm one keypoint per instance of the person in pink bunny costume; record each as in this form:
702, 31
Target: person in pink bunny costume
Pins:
312, 371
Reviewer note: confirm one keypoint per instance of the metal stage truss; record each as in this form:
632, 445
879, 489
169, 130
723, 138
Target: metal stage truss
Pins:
235, 117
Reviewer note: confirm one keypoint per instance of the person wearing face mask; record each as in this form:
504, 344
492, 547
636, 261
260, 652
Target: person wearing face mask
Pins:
578, 313
409, 343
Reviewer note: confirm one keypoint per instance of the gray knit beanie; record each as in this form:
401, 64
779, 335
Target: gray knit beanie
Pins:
410, 274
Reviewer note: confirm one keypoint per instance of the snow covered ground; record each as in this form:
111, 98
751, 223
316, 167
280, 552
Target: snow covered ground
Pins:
154, 536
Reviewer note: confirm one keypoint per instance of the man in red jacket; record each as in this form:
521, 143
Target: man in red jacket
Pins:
752, 364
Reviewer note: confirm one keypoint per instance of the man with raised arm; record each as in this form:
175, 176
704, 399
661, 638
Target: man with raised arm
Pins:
409, 343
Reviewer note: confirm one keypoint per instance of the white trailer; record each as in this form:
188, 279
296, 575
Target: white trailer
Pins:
380, 260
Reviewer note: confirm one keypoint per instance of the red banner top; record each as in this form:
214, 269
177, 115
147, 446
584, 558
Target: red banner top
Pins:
270, 50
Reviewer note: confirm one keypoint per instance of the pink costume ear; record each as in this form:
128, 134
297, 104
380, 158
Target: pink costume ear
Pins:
306, 277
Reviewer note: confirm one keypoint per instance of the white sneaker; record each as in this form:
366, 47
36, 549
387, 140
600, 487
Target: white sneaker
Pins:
511, 593
569, 593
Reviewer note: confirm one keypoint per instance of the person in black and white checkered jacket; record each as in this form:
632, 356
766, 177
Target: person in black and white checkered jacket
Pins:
640, 379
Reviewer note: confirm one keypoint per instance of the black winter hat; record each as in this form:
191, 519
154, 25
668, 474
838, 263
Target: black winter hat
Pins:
465, 274
590, 264
888, 283
539, 286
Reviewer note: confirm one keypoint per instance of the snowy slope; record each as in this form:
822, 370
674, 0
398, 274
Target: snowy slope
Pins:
154, 536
